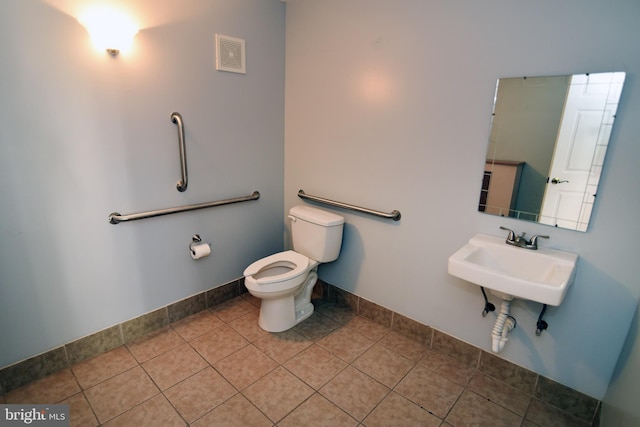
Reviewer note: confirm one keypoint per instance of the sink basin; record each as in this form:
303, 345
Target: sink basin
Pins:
542, 275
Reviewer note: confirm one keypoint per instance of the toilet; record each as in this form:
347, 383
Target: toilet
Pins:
284, 281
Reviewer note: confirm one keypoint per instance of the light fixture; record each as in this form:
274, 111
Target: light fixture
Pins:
110, 29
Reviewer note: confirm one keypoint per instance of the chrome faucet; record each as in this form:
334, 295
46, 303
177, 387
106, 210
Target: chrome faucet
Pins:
520, 241
533, 242
514, 240
511, 238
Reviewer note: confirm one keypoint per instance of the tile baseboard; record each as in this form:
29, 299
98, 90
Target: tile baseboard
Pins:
49, 362
543, 390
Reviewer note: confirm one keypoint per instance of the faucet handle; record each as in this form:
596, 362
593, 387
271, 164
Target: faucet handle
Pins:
533, 242
512, 235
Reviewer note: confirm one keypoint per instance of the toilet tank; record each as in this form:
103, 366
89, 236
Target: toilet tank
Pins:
316, 233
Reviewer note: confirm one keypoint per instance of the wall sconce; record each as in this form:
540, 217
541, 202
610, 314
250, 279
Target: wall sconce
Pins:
109, 29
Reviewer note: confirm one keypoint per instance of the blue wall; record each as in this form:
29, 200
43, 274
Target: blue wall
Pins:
85, 134
394, 101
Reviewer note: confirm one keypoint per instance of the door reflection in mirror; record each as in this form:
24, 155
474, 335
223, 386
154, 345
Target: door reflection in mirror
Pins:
548, 141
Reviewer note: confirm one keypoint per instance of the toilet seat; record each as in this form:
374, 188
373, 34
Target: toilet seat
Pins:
298, 263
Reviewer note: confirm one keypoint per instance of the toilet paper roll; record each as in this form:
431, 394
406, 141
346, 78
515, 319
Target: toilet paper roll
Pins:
200, 251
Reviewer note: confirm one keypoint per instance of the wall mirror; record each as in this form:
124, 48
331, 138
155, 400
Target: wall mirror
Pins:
548, 141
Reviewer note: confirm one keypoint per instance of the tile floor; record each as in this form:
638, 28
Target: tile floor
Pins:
218, 368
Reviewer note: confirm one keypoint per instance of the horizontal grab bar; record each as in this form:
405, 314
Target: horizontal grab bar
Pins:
116, 218
394, 215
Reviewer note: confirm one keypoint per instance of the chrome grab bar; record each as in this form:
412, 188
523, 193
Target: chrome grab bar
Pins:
116, 218
182, 184
394, 215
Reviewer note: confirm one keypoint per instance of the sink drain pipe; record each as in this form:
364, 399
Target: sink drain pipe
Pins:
504, 324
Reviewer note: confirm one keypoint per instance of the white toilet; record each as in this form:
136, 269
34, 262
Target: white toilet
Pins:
284, 281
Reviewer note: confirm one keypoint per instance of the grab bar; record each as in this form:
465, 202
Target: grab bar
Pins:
182, 184
394, 215
116, 218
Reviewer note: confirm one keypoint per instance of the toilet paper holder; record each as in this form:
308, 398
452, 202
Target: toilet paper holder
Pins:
195, 240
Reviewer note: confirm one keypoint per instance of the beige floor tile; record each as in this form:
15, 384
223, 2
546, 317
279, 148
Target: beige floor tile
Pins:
154, 343
346, 343
316, 326
474, 410
107, 365
507, 372
400, 344
233, 308
174, 366
500, 393
80, 413
235, 412
245, 366
156, 411
430, 390
298, 377
277, 393
318, 412
197, 324
448, 367
247, 326
396, 411
339, 313
315, 366
383, 365
354, 392
120, 393
217, 344
319, 373
199, 394
50, 389
282, 346
253, 300
370, 329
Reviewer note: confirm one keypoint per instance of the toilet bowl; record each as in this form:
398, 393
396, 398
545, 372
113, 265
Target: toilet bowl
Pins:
284, 282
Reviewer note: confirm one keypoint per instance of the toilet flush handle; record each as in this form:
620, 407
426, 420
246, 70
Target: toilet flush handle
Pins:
292, 218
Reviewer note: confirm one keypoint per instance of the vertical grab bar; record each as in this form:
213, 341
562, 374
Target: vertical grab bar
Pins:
182, 184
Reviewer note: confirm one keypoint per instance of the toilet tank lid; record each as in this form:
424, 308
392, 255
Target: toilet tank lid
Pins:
316, 216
